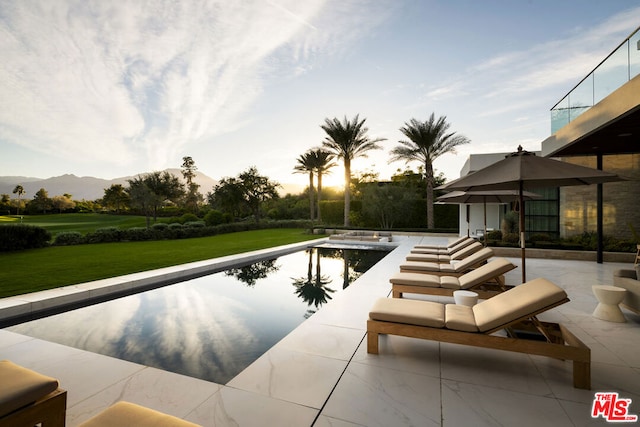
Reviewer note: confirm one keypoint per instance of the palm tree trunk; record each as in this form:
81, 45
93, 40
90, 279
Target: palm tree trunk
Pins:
347, 190
429, 177
319, 195
311, 197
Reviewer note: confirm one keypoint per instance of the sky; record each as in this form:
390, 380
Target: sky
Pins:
113, 88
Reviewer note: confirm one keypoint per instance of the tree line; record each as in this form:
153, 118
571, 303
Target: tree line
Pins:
252, 195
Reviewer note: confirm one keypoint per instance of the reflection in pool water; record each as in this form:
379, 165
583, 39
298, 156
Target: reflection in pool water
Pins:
211, 327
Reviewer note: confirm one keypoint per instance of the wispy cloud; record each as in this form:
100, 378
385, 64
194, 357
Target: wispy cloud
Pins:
130, 80
514, 76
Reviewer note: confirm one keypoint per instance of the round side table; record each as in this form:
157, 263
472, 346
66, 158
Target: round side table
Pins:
608, 299
467, 298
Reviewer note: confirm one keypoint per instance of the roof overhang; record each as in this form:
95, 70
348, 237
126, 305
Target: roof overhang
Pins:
612, 126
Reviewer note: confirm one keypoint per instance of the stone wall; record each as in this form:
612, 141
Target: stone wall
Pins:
621, 200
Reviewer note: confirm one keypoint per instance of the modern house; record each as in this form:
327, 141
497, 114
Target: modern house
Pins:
597, 124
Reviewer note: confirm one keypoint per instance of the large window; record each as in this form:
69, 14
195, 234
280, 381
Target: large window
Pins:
543, 215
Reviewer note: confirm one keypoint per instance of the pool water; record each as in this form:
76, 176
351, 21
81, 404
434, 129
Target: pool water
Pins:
211, 327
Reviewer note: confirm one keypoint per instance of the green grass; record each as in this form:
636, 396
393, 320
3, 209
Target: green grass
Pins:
52, 267
80, 222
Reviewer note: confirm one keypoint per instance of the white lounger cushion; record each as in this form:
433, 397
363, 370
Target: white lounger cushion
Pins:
460, 318
449, 250
511, 305
491, 270
519, 301
456, 267
460, 254
450, 245
413, 312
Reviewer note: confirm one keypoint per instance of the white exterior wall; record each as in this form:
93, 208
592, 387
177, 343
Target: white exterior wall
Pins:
476, 218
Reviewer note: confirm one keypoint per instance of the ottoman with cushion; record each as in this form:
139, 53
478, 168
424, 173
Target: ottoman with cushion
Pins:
126, 414
28, 398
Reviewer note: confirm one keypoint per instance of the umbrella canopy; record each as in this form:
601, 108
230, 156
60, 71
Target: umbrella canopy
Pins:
523, 170
498, 196
484, 197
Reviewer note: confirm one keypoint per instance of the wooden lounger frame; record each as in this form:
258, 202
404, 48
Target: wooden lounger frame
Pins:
49, 411
560, 342
485, 290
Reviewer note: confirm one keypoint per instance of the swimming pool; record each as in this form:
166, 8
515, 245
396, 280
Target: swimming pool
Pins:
210, 327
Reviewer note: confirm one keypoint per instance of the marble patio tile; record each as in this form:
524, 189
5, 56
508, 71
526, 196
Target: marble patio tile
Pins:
375, 396
164, 391
232, 407
324, 421
81, 373
323, 340
347, 312
7, 339
465, 404
293, 376
403, 354
501, 369
604, 377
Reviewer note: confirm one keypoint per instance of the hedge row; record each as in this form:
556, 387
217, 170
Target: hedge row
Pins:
163, 231
20, 236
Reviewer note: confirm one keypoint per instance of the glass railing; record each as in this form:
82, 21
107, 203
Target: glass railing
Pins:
619, 67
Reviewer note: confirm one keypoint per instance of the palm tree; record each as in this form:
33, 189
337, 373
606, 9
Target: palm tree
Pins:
348, 140
427, 141
19, 190
323, 161
307, 164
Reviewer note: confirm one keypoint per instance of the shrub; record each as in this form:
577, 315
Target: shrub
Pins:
137, 234
68, 238
215, 217
510, 238
104, 235
18, 237
188, 217
194, 224
160, 226
494, 235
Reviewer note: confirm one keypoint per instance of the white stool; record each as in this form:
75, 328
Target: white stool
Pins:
608, 299
467, 298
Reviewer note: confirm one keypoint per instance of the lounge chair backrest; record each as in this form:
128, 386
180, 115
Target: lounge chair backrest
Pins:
524, 299
458, 241
473, 259
466, 251
492, 269
460, 246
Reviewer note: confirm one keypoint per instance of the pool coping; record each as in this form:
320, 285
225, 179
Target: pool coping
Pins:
21, 308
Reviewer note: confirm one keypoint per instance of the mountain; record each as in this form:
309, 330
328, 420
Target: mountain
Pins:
82, 188
91, 188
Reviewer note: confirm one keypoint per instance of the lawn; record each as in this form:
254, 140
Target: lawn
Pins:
38, 269
80, 222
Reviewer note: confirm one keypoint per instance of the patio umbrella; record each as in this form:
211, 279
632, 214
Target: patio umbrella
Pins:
484, 197
522, 171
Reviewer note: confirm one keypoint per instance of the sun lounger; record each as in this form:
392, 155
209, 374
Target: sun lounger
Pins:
453, 268
28, 398
457, 254
513, 310
125, 414
444, 250
487, 281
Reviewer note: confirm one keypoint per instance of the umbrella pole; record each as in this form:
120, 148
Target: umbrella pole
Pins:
522, 249
485, 221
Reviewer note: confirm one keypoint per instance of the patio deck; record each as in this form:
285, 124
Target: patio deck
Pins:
321, 374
